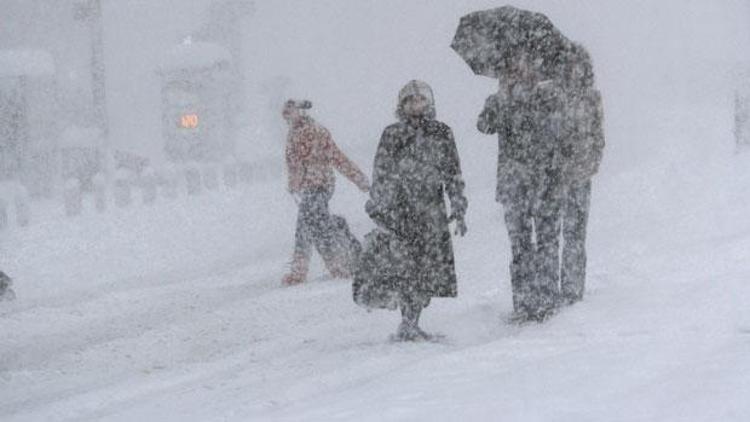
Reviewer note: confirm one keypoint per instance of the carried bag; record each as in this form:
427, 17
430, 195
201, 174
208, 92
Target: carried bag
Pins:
344, 249
382, 267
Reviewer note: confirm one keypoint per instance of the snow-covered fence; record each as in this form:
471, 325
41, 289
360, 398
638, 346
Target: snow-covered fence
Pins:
15, 205
23, 207
3, 214
148, 185
211, 177
127, 188
122, 189
256, 172
100, 192
73, 197
193, 180
169, 183
231, 178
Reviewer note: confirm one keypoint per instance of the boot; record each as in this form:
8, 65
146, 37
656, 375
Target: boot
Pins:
411, 332
298, 273
409, 329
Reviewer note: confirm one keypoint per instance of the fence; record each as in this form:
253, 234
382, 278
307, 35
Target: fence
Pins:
127, 189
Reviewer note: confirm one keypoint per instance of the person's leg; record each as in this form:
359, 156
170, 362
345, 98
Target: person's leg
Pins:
575, 220
324, 233
302, 241
411, 306
547, 257
518, 223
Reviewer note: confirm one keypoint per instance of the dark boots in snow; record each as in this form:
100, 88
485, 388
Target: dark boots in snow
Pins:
409, 329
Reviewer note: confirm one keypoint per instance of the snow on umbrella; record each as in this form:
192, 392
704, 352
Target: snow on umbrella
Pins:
576, 70
488, 40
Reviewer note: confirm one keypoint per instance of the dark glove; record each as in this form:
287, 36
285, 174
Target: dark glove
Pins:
461, 228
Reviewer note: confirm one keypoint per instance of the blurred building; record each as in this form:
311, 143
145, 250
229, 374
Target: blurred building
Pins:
197, 82
47, 86
87, 47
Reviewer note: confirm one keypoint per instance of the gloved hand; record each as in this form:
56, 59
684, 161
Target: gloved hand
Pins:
360, 180
461, 228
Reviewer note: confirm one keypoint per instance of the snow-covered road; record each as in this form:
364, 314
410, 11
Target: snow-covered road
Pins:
176, 314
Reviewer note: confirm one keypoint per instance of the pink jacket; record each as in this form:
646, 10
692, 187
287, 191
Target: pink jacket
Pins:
311, 156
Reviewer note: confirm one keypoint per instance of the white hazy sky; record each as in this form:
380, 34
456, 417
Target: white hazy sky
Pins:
351, 57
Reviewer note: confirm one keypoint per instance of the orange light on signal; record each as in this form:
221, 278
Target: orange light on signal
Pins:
189, 121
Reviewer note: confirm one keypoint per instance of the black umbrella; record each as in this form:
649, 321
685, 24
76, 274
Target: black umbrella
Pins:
488, 41
576, 69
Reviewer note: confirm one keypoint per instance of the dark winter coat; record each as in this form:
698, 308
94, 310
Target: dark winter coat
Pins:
531, 126
583, 147
415, 165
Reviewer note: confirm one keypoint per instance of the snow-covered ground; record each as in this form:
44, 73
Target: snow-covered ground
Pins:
175, 312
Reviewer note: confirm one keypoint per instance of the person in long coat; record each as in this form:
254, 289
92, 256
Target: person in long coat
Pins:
527, 115
582, 154
416, 164
311, 158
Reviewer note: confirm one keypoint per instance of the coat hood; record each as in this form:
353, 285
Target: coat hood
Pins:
412, 88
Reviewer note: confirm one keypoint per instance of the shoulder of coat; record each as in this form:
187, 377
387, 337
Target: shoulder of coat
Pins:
314, 131
318, 128
395, 130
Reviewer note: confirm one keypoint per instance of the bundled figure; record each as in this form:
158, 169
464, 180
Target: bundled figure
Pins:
311, 157
582, 153
528, 115
411, 254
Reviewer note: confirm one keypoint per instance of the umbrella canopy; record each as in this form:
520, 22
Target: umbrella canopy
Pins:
488, 41
576, 70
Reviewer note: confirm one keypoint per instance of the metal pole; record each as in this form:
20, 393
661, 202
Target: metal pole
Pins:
98, 76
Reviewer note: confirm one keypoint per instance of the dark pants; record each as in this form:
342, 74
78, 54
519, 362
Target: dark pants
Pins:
314, 224
532, 216
575, 218
411, 305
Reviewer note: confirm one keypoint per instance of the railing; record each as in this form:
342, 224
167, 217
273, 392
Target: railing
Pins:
127, 189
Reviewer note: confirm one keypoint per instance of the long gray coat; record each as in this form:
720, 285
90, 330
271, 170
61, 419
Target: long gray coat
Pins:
531, 125
584, 145
415, 165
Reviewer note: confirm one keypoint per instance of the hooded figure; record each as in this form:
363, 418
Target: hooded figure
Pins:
528, 117
416, 164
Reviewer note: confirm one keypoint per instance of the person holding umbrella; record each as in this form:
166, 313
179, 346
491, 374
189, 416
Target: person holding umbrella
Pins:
416, 164
530, 125
311, 157
582, 153
523, 49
